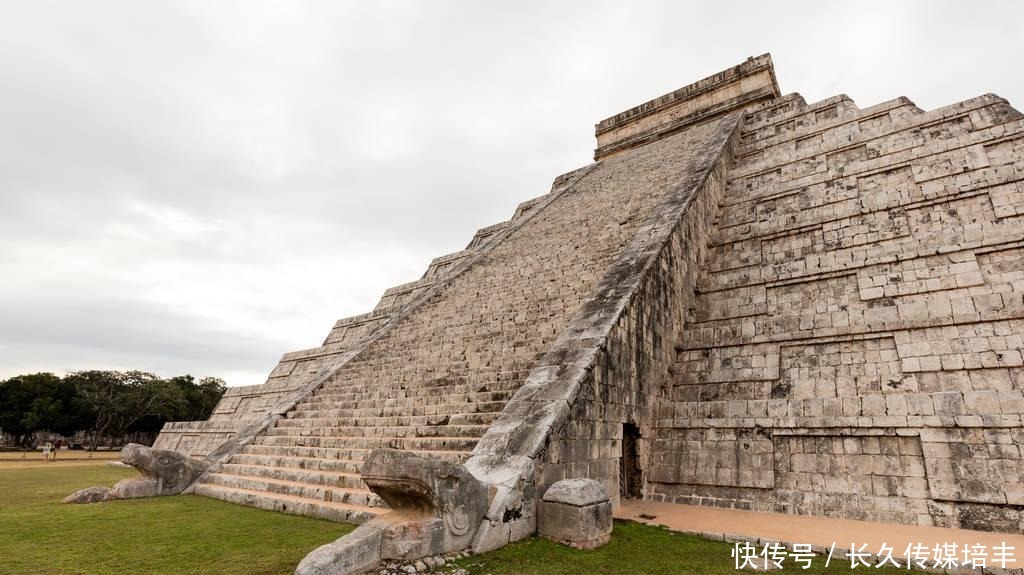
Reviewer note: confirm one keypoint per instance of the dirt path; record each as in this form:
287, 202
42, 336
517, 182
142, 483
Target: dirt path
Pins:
819, 531
16, 460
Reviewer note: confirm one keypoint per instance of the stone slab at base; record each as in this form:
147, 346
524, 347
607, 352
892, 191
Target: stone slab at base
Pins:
356, 552
577, 513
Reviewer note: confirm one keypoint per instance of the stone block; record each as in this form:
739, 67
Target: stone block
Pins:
577, 513
357, 552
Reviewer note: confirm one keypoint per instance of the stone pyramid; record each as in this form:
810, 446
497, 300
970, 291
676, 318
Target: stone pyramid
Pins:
746, 301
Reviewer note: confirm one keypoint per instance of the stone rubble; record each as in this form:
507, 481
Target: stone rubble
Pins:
440, 564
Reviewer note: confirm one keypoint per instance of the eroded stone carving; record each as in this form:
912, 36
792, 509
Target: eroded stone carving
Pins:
163, 473
436, 508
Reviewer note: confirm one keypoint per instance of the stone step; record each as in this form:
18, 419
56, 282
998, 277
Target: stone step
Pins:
340, 512
441, 443
329, 478
482, 418
376, 390
370, 432
346, 401
292, 462
325, 410
368, 382
361, 497
342, 454
398, 360
773, 147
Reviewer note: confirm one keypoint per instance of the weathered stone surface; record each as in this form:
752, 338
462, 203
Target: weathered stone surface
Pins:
748, 301
616, 322
440, 503
576, 492
163, 473
738, 87
167, 472
89, 495
855, 349
436, 508
418, 389
356, 552
577, 513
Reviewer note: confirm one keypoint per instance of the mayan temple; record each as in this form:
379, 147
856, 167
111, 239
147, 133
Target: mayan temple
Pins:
747, 301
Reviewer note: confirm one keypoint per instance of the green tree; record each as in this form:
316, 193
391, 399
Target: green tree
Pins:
145, 396
202, 397
40, 402
99, 391
108, 403
119, 400
198, 398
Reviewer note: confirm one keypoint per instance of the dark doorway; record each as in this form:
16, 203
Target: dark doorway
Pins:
631, 479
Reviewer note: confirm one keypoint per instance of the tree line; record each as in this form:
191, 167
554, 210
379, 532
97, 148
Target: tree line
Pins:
103, 403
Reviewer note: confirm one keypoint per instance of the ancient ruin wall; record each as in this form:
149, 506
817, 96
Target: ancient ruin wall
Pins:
855, 346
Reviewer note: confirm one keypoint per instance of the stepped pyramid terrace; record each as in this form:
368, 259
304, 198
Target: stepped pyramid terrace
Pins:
746, 301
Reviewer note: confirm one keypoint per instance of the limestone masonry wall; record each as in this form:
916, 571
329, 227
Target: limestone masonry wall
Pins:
854, 348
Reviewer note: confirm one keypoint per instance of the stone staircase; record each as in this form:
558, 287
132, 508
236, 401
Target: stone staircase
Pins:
309, 462
441, 374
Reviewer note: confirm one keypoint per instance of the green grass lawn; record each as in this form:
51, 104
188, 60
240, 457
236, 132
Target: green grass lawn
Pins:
185, 534
165, 535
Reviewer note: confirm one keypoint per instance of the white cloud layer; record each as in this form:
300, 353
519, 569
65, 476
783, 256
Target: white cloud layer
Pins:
201, 186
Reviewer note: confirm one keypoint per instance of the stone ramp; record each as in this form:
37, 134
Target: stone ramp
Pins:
435, 380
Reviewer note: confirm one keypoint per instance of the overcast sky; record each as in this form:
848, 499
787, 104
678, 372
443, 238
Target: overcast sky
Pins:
198, 187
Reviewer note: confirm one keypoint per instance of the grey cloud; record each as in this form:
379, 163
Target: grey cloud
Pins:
155, 338
202, 186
